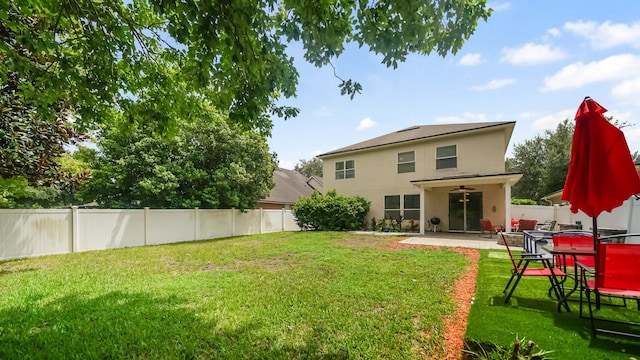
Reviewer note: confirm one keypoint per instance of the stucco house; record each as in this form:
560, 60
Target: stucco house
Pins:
454, 172
290, 185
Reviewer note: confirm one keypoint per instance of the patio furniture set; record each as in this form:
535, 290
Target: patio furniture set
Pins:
572, 261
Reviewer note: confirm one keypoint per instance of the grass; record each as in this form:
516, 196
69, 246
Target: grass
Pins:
305, 295
532, 314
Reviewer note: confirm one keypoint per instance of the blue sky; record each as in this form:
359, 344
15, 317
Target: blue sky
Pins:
532, 62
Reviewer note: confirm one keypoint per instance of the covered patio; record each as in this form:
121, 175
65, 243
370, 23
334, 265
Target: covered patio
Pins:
459, 202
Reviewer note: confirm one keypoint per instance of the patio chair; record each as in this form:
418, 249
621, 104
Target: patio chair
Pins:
573, 239
485, 225
616, 275
548, 225
521, 269
527, 224
514, 224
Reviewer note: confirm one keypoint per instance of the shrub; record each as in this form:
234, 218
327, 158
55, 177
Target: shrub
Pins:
515, 201
331, 212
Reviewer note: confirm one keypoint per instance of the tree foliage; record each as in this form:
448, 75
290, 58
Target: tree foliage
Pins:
309, 168
331, 212
206, 163
91, 57
29, 143
544, 162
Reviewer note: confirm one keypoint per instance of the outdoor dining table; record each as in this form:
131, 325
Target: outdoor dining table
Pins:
574, 252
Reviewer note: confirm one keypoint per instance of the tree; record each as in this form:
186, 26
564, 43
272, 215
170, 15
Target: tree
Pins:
528, 158
91, 57
30, 144
309, 168
206, 163
544, 161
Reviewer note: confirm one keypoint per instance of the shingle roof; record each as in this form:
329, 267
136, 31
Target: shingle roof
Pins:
415, 133
290, 186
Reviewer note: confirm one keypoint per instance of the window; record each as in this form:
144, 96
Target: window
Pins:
447, 157
406, 162
392, 206
411, 207
407, 205
345, 169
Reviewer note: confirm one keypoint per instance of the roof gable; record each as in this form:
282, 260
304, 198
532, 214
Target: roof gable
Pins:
414, 133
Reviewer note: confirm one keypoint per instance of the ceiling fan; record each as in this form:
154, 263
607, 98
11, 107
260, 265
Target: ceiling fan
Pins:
462, 188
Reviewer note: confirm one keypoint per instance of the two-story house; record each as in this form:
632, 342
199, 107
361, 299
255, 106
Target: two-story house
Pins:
453, 172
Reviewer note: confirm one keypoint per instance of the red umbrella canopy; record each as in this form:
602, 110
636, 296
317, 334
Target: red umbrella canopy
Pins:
601, 174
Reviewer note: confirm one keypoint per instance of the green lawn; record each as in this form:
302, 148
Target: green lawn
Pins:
298, 295
533, 315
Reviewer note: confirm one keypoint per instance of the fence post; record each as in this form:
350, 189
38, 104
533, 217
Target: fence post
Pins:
75, 229
283, 213
233, 221
261, 220
196, 224
146, 224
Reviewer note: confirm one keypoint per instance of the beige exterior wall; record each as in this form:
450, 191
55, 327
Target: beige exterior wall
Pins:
376, 174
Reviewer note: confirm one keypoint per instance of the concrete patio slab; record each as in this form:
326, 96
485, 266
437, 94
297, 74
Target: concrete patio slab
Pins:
449, 242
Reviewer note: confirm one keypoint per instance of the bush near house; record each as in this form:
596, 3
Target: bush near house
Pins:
331, 212
515, 201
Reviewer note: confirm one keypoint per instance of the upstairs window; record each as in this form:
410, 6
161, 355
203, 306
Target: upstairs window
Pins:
447, 157
345, 169
406, 162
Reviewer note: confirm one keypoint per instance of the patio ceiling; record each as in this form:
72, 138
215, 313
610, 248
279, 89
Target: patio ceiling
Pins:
468, 180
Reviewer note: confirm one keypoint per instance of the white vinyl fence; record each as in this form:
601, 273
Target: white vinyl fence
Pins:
625, 217
26, 233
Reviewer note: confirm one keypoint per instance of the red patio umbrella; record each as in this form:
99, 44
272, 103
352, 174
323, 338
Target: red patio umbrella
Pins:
601, 174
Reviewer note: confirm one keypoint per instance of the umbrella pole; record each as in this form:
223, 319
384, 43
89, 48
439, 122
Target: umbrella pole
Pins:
595, 231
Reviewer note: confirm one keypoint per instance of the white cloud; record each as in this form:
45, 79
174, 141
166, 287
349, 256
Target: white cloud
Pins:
463, 118
551, 121
532, 54
495, 84
470, 59
315, 153
527, 115
323, 112
606, 35
580, 74
500, 6
632, 135
553, 32
627, 91
366, 123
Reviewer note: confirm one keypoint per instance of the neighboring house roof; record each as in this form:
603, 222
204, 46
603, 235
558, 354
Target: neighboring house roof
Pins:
416, 133
290, 186
555, 197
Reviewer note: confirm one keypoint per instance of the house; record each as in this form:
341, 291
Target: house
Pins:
289, 186
555, 198
454, 172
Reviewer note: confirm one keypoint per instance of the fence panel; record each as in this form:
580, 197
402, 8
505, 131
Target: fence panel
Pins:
170, 226
109, 229
247, 223
26, 233
538, 212
290, 221
214, 224
272, 221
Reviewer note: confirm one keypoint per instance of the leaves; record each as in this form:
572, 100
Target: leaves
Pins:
204, 162
100, 56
